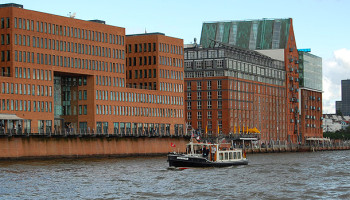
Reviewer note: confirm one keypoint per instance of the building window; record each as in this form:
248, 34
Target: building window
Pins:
199, 115
189, 105
209, 85
219, 104
219, 84
219, 114
219, 94
188, 95
199, 125
199, 95
189, 86
199, 105
199, 85
209, 95
209, 105
189, 115
209, 114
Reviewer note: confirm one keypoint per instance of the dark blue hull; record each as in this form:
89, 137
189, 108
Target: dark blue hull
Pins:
181, 160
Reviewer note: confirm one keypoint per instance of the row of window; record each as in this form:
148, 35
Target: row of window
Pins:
140, 98
5, 40
146, 85
199, 105
139, 74
147, 60
24, 105
132, 61
37, 73
237, 86
209, 84
209, 95
170, 62
171, 74
110, 81
55, 29
147, 47
170, 48
139, 128
5, 22
82, 109
240, 56
138, 111
230, 73
72, 47
26, 89
237, 66
5, 56
70, 62
204, 54
209, 115
209, 126
170, 87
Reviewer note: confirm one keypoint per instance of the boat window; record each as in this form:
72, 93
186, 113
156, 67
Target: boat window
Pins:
221, 156
226, 156
239, 155
235, 155
230, 155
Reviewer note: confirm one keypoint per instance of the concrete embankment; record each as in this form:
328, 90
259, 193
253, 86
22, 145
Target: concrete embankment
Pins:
30, 147
56, 147
296, 149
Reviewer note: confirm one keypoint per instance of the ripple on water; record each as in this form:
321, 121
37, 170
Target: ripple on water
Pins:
268, 176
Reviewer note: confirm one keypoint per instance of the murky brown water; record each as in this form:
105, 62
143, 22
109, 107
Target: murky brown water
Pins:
318, 175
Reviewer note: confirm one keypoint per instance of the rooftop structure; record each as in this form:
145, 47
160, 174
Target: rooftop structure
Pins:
248, 34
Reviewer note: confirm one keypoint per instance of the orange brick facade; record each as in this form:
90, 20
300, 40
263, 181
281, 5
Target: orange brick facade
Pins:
291, 59
311, 114
60, 73
229, 90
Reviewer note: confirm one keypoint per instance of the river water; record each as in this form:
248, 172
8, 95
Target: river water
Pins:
316, 175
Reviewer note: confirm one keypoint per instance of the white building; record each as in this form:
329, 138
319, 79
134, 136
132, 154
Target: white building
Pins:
332, 122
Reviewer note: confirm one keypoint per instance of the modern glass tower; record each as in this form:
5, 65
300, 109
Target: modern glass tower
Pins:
343, 106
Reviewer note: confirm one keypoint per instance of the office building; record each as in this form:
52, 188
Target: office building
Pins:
273, 38
230, 90
310, 75
343, 106
61, 74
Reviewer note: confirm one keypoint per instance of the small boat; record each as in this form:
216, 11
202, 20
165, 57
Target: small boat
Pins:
208, 155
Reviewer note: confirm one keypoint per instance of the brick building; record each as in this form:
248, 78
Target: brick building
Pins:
271, 37
64, 74
230, 90
310, 95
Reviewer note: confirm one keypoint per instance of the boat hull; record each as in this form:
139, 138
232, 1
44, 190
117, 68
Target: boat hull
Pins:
180, 160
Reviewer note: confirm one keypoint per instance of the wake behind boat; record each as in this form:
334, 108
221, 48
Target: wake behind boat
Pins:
208, 155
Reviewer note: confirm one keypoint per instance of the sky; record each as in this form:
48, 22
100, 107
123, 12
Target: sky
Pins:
322, 25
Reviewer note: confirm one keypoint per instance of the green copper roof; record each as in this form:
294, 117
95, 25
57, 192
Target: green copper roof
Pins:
253, 34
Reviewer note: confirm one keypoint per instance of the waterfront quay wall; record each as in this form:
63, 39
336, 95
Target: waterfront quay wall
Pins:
59, 147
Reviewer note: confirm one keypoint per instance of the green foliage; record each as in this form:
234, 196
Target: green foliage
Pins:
340, 134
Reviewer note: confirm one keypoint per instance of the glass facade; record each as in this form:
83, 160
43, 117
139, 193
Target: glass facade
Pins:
248, 34
310, 71
343, 106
